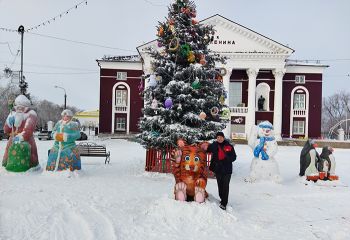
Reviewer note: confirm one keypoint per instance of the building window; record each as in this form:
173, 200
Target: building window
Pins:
300, 79
120, 124
121, 97
122, 75
298, 127
299, 101
235, 94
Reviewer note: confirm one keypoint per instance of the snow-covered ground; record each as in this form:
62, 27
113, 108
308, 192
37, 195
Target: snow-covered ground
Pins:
121, 201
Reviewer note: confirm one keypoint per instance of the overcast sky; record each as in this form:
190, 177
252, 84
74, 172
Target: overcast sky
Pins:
315, 29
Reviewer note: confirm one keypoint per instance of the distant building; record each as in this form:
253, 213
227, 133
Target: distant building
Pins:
256, 66
88, 118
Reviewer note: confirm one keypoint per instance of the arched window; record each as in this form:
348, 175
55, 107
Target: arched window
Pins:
299, 99
262, 97
121, 96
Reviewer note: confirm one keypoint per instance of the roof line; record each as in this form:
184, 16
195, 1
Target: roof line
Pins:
249, 30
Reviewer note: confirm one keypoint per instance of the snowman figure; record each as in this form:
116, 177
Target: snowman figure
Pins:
264, 146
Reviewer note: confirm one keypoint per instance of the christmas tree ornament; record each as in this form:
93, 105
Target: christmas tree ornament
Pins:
160, 31
152, 81
155, 134
159, 78
185, 50
194, 14
222, 71
206, 39
159, 44
196, 83
202, 115
174, 44
179, 106
168, 103
219, 78
222, 100
214, 111
141, 87
154, 104
172, 29
225, 113
194, 21
191, 57
202, 59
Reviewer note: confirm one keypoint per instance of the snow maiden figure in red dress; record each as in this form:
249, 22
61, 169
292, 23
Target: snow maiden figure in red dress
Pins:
21, 152
189, 162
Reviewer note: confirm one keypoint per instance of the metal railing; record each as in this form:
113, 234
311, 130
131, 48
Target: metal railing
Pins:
299, 112
121, 108
241, 110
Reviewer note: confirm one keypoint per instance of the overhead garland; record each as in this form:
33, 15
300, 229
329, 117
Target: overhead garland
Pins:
57, 16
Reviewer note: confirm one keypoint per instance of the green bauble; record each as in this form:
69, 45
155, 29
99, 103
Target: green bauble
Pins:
196, 84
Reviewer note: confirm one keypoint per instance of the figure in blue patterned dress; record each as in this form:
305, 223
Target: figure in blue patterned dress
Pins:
64, 154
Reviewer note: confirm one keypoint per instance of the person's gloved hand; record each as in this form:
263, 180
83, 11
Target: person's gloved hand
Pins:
11, 120
59, 137
16, 139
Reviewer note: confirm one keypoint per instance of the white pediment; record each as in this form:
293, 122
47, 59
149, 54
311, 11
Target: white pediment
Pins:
231, 37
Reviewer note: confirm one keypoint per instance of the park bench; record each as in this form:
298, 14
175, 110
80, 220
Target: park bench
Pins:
89, 149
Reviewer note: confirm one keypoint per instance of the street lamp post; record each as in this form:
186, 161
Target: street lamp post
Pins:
65, 96
23, 85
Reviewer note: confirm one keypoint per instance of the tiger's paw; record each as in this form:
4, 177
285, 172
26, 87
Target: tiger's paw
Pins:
180, 191
199, 194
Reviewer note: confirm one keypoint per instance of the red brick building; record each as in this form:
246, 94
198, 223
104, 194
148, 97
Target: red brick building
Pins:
256, 66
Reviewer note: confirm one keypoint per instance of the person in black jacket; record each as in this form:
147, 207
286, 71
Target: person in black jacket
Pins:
223, 155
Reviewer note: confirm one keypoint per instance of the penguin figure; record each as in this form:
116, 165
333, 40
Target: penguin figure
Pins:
327, 163
309, 159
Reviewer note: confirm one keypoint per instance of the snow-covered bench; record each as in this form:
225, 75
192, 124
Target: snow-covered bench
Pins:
90, 149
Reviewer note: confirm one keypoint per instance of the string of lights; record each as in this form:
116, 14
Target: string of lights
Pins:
57, 16
80, 42
7, 29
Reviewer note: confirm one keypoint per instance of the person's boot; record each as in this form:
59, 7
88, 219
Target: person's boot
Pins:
222, 207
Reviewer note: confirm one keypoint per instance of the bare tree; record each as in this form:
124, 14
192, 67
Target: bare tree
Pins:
46, 110
335, 108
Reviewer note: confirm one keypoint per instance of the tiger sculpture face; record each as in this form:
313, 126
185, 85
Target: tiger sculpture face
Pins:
193, 159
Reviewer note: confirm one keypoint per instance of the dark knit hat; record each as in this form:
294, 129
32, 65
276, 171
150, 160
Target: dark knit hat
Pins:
220, 134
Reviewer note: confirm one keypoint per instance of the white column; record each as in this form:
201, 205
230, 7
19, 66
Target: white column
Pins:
250, 121
226, 83
277, 110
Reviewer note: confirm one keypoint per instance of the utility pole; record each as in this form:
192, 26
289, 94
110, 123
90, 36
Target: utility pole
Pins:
22, 83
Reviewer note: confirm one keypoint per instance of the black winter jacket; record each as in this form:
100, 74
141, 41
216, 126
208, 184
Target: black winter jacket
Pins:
222, 166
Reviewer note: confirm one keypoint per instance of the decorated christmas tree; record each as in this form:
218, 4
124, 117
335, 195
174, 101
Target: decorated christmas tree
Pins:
185, 96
